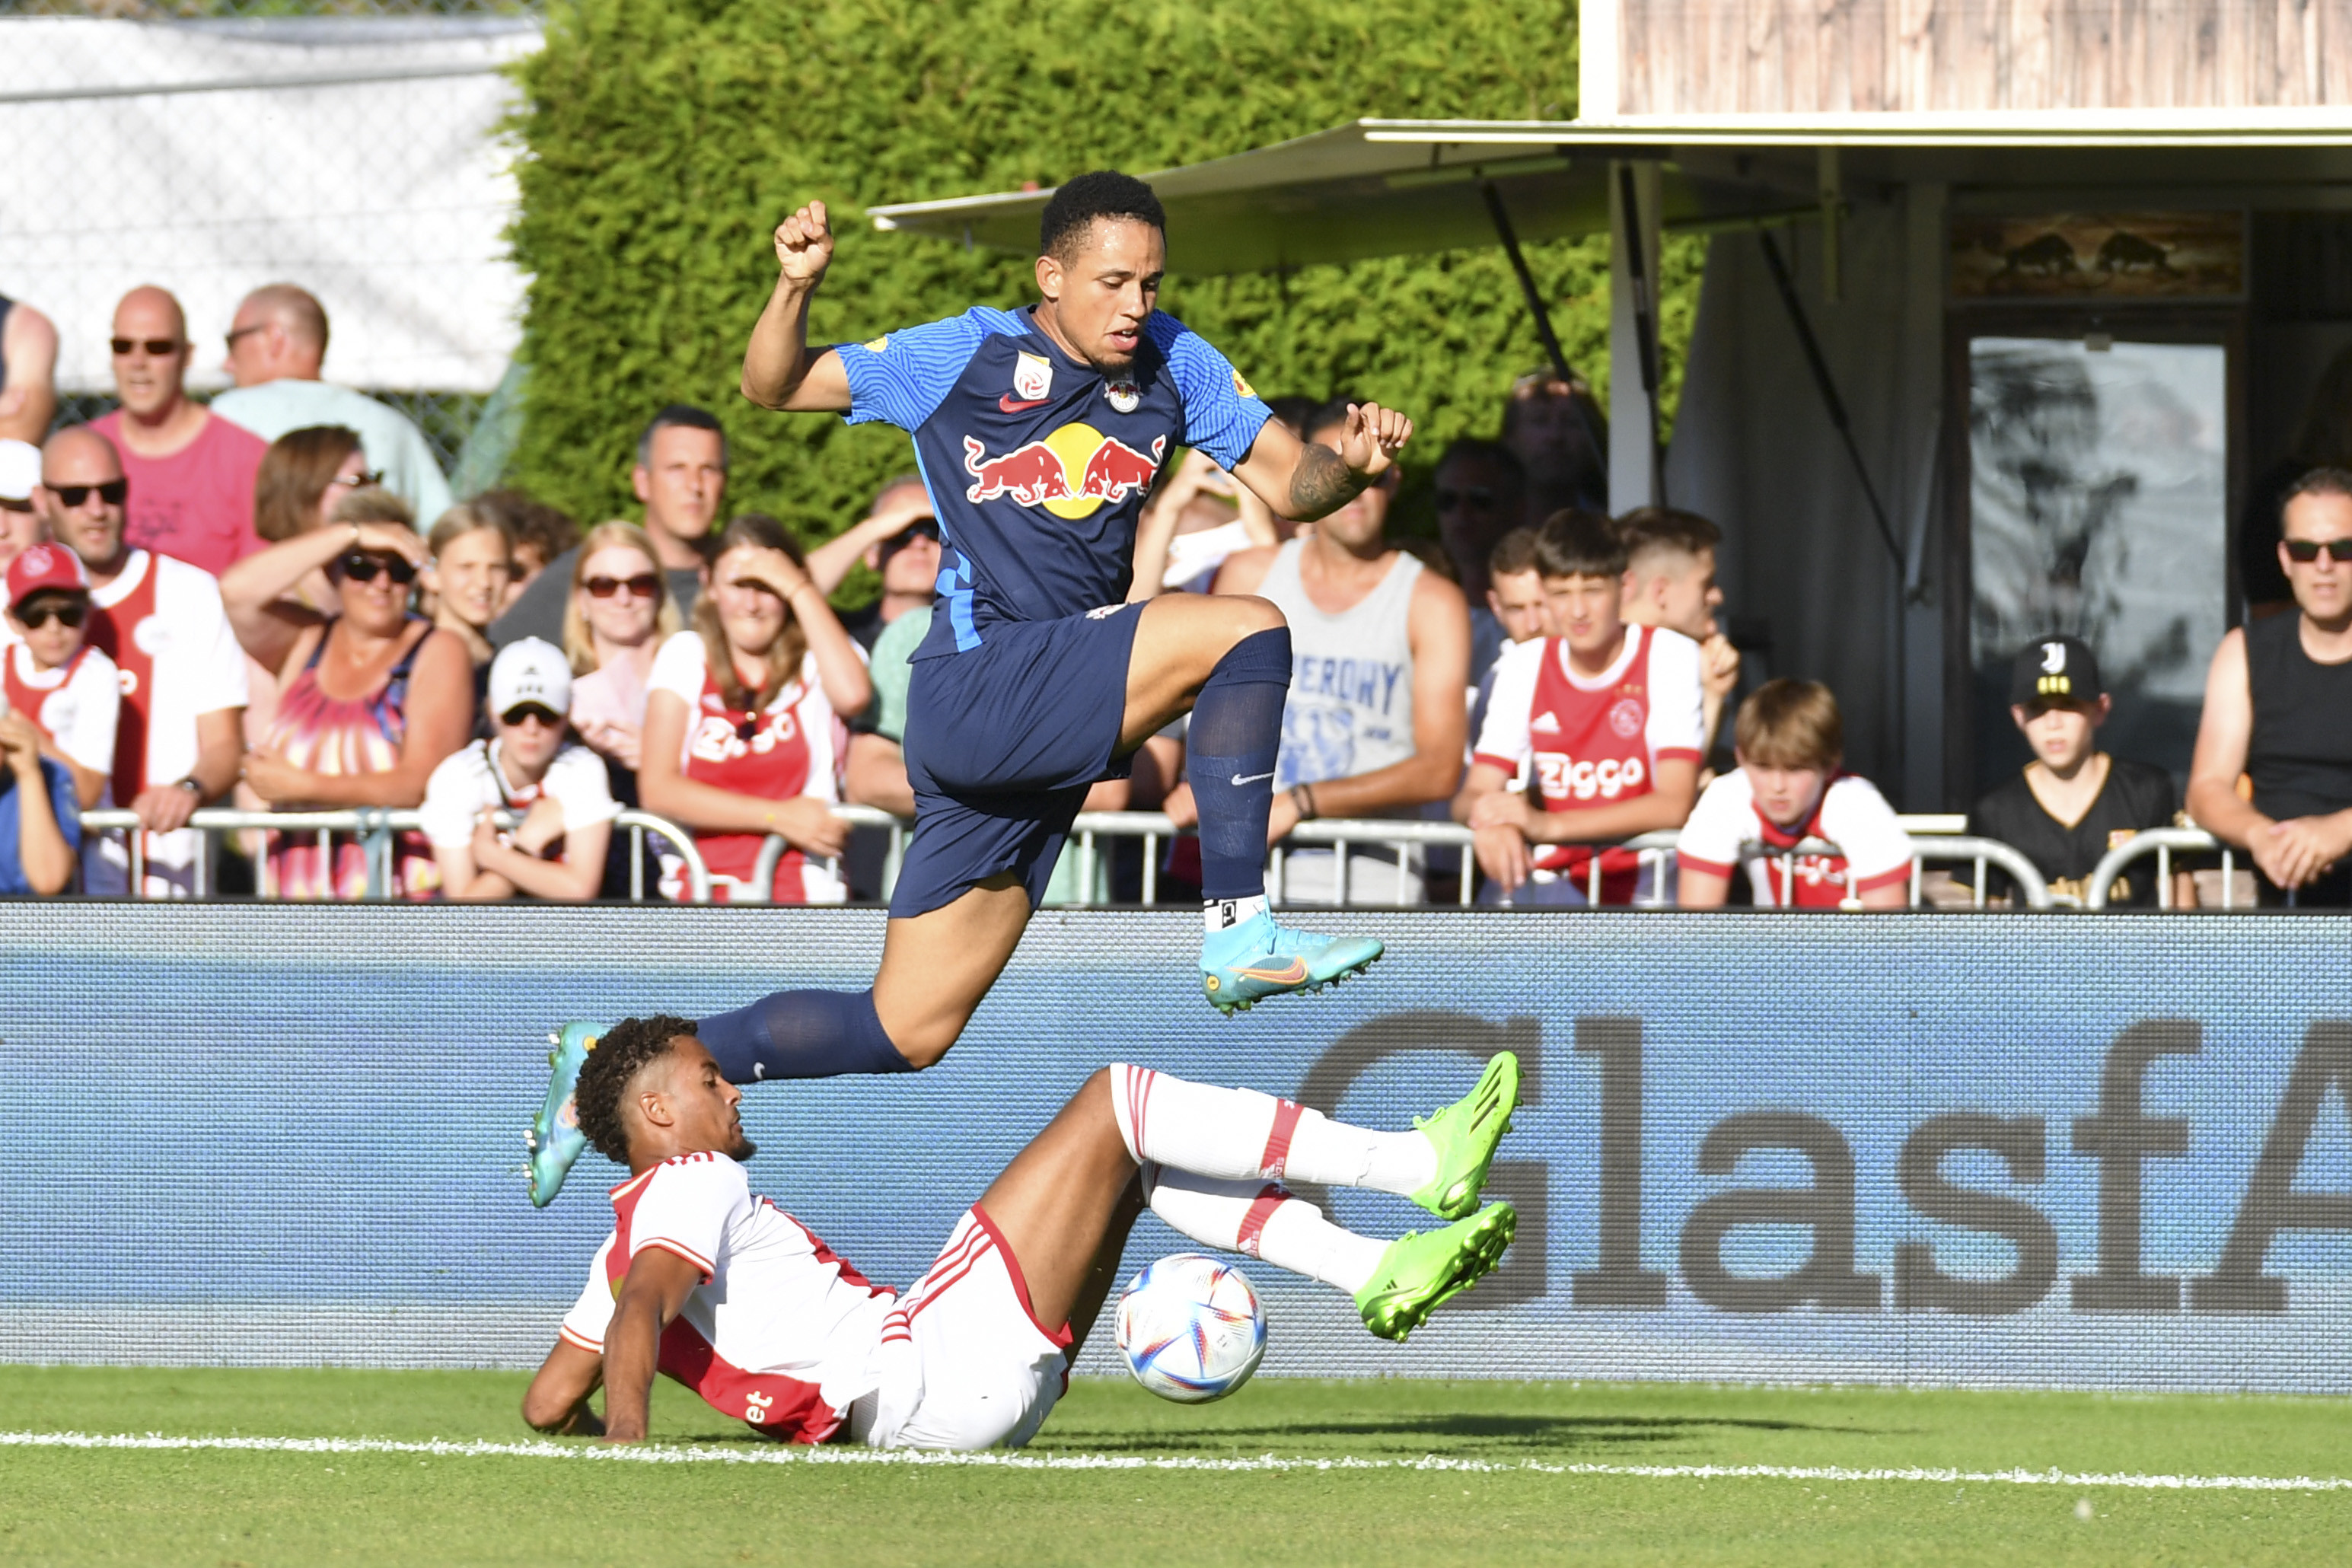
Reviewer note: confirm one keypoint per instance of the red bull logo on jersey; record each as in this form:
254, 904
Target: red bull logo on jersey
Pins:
1070, 473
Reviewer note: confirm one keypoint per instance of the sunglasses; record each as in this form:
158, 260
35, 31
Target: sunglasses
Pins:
71, 496
245, 332
65, 615
361, 567
13, 504
159, 347
644, 585
2306, 551
523, 713
359, 481
1476, 495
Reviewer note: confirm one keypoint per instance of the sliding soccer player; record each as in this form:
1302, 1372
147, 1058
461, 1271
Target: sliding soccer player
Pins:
1038, 433
730, 1296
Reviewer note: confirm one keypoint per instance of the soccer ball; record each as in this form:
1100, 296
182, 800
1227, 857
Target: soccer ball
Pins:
1191, 1328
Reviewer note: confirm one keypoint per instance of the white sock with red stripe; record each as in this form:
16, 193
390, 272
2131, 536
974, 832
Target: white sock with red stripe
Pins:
1261, 1220
1239, 1134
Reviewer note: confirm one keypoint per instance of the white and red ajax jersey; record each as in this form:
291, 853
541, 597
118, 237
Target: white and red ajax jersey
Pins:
74, 705
1582, 742
779, 1333
1851, 814
797, 745
161, 624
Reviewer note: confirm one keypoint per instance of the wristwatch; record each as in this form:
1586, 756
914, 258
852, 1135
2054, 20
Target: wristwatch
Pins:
191, 786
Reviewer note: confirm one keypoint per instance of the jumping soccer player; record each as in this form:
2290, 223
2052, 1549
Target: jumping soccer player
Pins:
733, 1298
1038, 433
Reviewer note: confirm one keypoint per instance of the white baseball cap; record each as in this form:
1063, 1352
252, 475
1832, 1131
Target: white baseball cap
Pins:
530, 670
20, 471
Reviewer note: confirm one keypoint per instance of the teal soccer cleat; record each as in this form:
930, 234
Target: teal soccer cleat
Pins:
1258, 959
555, 1138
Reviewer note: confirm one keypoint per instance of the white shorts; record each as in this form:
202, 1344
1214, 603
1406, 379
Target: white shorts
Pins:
965, 1362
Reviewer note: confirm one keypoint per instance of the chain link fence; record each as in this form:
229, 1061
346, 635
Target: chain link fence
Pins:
211, 146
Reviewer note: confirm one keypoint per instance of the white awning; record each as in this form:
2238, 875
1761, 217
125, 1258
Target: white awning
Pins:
1386, 187
1370, 188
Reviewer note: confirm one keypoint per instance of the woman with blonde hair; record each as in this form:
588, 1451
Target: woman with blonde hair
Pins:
473, 561
619, 615
744, 732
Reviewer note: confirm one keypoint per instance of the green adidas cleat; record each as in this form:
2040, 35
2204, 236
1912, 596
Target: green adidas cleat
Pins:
1243, 965
555, 1140
1465, 1133
1418, 1273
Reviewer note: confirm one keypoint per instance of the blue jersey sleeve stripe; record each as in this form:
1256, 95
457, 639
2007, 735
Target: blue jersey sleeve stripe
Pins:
902, 377
954, 582
1219, 418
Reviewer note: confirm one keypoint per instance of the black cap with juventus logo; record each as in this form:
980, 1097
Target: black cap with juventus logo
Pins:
2055, 669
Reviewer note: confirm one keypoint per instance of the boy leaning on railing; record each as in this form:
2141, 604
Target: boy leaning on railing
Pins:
1789, 741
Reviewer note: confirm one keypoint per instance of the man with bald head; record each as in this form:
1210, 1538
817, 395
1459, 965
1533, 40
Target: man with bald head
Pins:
276, 344
190, 474
181, 731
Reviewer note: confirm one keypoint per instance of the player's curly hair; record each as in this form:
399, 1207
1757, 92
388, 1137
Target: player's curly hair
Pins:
1106, 193
620, 1053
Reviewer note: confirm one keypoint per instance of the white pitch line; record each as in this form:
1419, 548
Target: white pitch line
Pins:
442, 1449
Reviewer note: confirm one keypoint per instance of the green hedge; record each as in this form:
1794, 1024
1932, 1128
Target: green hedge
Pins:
664, 139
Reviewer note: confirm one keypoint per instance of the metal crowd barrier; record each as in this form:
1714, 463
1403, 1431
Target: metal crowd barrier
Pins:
375, 827
1935, 839
2161, 842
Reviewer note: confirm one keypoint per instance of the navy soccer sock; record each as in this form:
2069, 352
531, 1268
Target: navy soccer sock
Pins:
800, 1034
1236, 733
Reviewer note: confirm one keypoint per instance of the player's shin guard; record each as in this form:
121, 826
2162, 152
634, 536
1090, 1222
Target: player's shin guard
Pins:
1230, 749
1239, 1134
800, 1034
1262, 1220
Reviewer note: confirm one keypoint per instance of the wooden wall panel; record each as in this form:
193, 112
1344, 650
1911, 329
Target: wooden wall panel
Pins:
1817, 57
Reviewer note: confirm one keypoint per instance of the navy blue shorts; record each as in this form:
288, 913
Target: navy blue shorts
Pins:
1002, 744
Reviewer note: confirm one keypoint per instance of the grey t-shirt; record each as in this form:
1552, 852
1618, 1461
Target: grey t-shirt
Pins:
539, 612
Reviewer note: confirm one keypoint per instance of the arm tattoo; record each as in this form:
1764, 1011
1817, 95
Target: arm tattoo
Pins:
1322, 482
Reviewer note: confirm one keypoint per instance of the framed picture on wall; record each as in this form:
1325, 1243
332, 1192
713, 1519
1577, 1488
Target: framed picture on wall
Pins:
2120, 257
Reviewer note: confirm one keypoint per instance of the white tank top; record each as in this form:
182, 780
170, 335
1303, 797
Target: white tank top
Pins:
1350, 705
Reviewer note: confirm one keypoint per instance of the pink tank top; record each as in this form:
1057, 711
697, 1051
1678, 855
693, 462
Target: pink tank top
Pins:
344, 737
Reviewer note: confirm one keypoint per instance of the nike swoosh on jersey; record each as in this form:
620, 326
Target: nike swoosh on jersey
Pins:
1012, 405
1239, 780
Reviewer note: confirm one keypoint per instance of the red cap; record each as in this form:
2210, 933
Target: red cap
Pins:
51, 567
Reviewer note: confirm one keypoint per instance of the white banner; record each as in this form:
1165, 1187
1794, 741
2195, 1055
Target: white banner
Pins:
356, 157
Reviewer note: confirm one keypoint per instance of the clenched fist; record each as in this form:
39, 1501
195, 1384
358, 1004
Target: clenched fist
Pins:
1371, 438
805, 245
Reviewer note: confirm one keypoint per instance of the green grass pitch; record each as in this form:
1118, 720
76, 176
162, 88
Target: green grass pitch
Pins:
1509, 1489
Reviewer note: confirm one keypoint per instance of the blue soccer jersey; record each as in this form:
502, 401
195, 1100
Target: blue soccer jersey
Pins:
1037, 464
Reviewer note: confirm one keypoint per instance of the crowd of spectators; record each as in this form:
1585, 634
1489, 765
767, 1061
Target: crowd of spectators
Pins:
273, 599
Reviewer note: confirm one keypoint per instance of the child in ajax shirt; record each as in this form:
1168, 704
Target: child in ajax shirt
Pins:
66, 688
1789, 741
